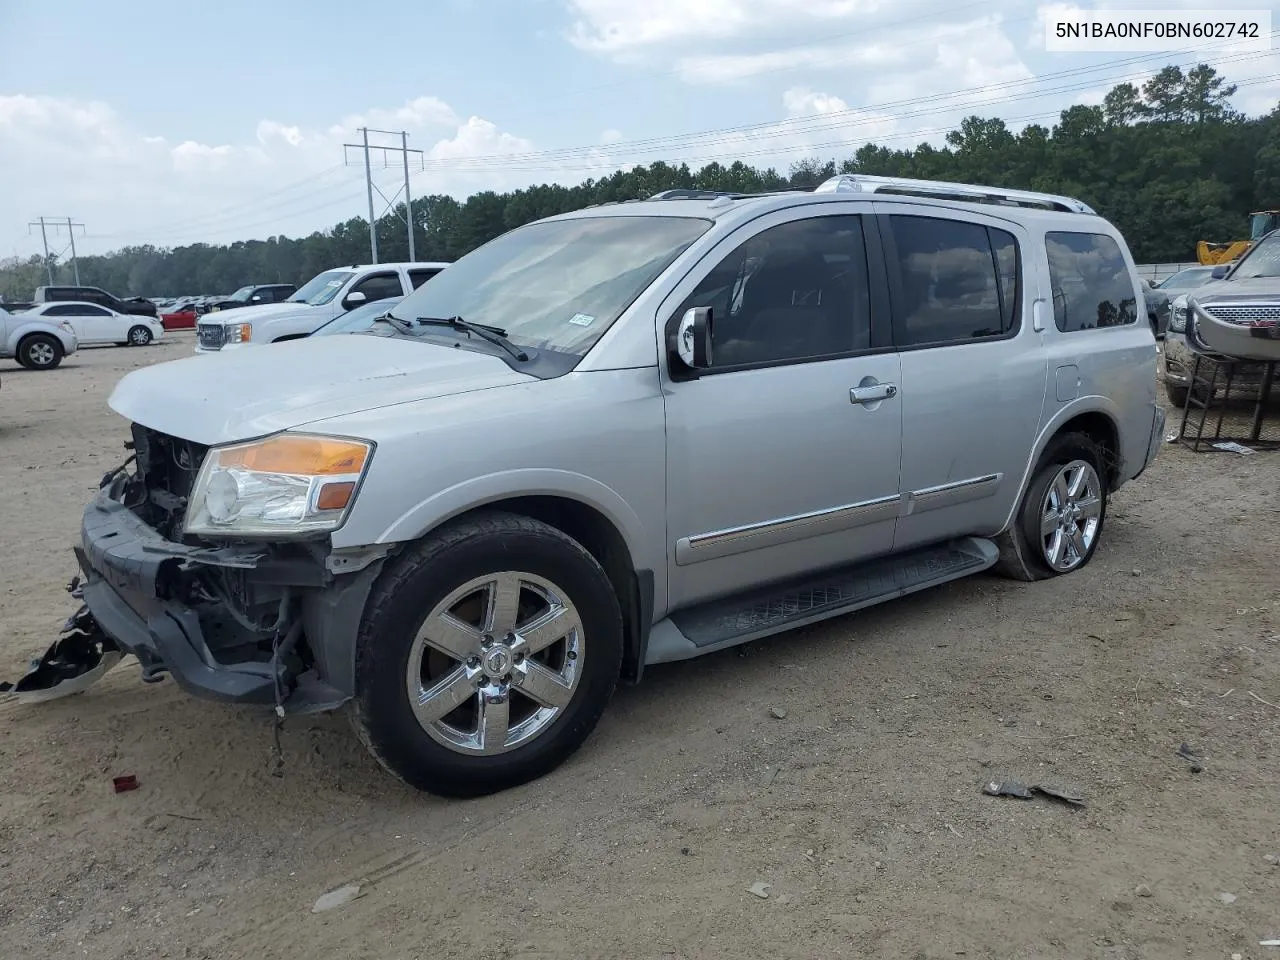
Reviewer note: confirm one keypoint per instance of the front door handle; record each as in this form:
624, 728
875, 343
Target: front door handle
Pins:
873, 392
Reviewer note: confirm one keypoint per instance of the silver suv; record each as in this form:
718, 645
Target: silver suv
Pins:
633, 434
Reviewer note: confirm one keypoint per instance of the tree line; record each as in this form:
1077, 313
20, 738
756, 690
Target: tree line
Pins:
1170, 163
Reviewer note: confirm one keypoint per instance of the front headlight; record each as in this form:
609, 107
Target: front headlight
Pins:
240, 333
287, 485
1178, 315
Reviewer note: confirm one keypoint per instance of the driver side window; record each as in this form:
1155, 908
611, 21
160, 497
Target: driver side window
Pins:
379, 286
797, 291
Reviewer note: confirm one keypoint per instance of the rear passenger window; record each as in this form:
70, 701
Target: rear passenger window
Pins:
957, 282
1091, 283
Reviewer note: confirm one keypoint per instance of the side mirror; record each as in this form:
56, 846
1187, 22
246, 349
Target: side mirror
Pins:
354, 299
693, 338
1220, 271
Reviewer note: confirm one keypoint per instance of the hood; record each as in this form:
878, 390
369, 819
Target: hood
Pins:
222, 398
1225, 291
262, 311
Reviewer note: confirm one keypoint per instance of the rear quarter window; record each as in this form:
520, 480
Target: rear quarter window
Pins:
1091, 284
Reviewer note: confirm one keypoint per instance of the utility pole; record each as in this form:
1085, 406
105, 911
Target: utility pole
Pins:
44, 237
75, 264
368, 185
408, 201
57, 224
365, 146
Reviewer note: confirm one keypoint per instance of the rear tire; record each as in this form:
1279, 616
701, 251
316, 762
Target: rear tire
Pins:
453, 713
40, 351
1060, 521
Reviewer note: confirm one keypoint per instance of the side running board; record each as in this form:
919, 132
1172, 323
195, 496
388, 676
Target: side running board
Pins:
739, 619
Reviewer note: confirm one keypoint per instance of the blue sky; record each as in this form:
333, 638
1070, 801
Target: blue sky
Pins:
169, 123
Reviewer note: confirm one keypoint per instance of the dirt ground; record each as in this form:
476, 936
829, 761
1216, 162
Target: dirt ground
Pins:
861, 808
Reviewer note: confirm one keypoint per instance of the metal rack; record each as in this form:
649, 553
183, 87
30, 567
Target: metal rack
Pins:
1212, 389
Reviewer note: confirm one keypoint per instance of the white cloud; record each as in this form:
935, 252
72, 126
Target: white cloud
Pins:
622, 26
611, 136
129, 187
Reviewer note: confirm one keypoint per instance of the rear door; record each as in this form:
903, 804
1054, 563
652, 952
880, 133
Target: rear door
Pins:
973, 366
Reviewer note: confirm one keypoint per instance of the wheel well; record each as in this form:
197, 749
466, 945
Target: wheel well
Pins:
26, 337
291, 336
1101, 429
601, 538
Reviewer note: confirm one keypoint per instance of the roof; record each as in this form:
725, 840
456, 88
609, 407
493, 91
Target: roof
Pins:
717, 205
401, 263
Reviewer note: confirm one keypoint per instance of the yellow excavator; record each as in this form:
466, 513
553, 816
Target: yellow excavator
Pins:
1260, 224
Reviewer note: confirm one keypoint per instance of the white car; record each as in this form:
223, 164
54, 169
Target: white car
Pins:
319, 300
36, 342
95, 324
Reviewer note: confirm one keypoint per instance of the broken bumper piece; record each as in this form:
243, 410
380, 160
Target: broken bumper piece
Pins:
143, 592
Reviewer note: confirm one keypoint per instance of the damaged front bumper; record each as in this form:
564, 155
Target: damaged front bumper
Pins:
189, 611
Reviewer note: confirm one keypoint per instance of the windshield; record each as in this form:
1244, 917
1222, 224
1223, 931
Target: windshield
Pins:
323, 288
361, 318
1261, 224
1262, 261
555, 285
241, 294
1186, 279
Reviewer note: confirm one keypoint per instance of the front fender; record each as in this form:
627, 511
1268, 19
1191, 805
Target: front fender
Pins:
446, 504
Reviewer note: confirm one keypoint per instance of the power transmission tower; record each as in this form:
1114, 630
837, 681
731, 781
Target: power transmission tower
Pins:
365, 146
57, 223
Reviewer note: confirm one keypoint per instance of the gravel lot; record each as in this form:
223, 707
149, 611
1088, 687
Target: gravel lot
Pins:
860, 807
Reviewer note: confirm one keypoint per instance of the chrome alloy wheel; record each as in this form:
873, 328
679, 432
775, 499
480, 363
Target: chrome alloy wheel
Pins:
1070, 515
495, 663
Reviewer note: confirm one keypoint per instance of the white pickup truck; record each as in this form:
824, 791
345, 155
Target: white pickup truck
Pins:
320, 299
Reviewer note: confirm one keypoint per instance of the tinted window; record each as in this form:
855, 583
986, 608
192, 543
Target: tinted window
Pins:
379, 286
957, 281
419, 277
61, 310
795, 291
1091, 283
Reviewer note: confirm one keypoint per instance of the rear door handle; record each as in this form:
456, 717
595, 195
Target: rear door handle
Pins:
870, 394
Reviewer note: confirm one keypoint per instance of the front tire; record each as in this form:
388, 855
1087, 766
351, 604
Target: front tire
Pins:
486, 656
40, 351
139, 336
1059, 523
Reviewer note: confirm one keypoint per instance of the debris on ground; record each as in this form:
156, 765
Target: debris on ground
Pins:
1142, 890
336, 898
759, 889
71, 664
778, 713
1272, 859
1012, 788
124, 783
1227, 898
1189, 755
1269, 943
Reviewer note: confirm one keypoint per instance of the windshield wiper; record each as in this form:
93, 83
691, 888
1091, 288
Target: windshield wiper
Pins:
483, 331
404, 326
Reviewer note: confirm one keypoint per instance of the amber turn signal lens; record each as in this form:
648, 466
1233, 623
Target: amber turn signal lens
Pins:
299, 455
335, 496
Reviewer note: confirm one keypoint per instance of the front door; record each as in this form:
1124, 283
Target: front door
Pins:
783, 457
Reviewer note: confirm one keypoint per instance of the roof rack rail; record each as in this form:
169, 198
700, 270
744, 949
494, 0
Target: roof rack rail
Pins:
680, 193
944, 190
